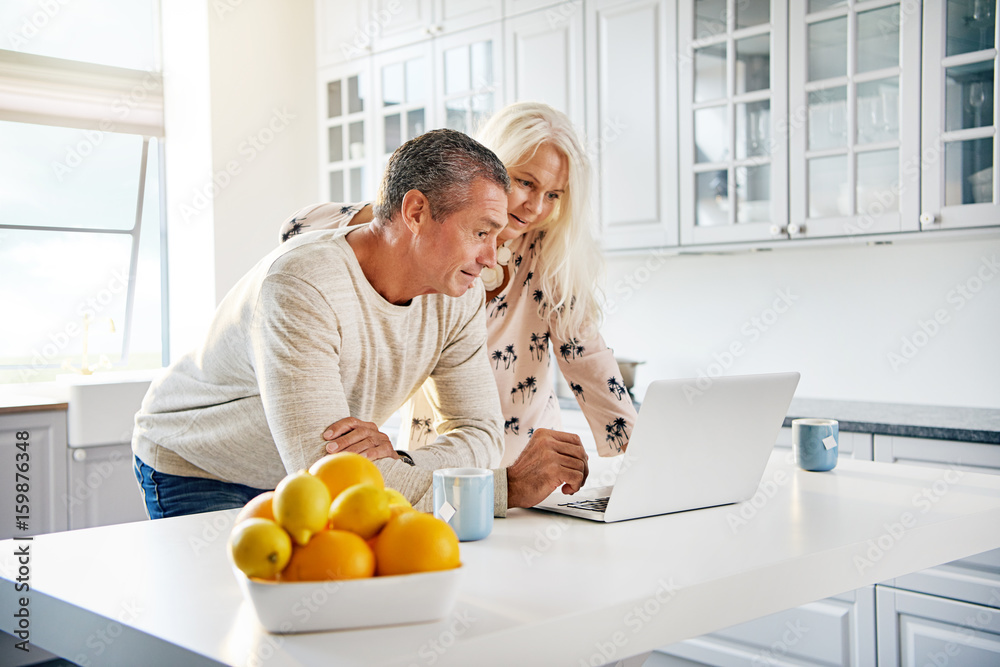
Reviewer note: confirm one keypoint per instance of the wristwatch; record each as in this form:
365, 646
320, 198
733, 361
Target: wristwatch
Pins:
405, 457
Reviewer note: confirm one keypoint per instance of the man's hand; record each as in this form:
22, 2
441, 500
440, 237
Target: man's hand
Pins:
353, 435
550, 459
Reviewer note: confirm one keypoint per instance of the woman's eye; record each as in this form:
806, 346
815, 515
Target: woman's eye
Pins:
553, 195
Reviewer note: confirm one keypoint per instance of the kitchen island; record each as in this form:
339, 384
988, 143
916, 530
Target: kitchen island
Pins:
541, 590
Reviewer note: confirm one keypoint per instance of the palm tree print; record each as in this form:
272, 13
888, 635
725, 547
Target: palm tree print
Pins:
512, 425
527, 279
294, 230
566, 349
577, 391
344, 210
577, 348
497, 357
517, 263
617, 432
537, 296
420, 429
616, 388
539, 344
530, 385
509, 357
499, 305
531, 432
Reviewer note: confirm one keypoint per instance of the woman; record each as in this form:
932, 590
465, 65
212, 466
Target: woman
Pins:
542, 295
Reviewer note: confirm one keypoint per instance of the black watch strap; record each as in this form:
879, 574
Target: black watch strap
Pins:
405, 456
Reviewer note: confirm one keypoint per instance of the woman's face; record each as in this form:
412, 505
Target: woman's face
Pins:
535, 187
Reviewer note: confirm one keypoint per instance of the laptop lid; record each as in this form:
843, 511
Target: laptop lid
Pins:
700, 443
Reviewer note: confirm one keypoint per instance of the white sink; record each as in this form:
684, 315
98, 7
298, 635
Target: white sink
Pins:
102, 407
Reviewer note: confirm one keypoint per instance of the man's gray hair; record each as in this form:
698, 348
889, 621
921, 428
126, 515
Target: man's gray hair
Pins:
443, 165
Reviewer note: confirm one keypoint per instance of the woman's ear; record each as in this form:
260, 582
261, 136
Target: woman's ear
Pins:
415, 211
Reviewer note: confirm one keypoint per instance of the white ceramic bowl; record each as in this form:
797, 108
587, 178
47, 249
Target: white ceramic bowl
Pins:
355, 603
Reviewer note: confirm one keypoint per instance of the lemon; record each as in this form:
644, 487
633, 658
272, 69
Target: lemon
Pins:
361, 509
301, 503
259, 548
343, 469
396, 498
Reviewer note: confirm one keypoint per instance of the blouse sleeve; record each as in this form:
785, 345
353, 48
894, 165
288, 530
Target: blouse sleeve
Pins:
592, 373
319, 216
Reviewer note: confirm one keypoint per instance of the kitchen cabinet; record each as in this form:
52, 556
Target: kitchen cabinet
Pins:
468, 77
632, 120
346, 136
960, 186
402, 100
101, 487
544, 58
917, 630
411, 21
46, 437
854, 142
839, 630
733, 99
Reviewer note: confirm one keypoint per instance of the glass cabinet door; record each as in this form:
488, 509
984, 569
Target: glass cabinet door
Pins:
733, 97
403, 91
345, 146
468, 67
961, 185
854, 77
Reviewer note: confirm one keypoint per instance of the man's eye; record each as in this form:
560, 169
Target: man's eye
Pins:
526, 184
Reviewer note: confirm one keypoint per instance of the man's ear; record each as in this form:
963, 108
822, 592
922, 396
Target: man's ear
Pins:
415, 211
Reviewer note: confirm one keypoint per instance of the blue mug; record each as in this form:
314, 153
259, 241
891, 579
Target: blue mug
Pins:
463, 497
816, 443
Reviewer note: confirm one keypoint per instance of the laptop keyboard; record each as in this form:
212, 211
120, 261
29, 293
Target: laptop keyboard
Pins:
594, 504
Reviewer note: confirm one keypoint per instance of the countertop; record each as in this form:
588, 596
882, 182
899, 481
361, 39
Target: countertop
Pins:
916, 421
164, 589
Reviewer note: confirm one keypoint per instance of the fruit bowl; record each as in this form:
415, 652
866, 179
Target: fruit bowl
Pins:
287, 607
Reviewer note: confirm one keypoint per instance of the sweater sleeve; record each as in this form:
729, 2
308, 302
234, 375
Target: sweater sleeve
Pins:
295, 351
592, 373
463, 396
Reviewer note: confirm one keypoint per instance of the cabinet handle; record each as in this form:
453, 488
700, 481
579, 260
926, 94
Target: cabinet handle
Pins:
776, 230
79, 454
796, 229
928, 218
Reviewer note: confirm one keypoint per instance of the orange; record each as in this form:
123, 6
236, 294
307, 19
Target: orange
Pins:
259, 548
344, 469
301, 504
330, 554
361, 509
260, 507
416, 542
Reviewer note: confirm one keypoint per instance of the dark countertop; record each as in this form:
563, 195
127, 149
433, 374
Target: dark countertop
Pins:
914, 421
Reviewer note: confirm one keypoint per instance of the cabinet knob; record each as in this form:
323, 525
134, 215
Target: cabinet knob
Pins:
796, 229
79, 454
775, 230
928, 218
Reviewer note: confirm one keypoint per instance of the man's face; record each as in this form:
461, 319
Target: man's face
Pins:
454, 250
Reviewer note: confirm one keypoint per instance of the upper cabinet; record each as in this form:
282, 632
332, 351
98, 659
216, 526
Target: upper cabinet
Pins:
346, 133
854, 81
733, 97
632, 120
960, 182
708, 122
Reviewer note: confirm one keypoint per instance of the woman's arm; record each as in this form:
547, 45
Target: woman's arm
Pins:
325, 216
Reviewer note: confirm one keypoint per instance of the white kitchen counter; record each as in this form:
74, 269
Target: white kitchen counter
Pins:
541, 590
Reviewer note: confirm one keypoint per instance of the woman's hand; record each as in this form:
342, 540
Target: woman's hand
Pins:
353, 435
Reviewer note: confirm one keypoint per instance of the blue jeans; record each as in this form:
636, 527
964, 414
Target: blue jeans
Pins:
172, 495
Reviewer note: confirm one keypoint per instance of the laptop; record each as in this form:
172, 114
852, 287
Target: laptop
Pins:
696, 443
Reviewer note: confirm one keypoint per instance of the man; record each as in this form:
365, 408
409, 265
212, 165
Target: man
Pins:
345, 325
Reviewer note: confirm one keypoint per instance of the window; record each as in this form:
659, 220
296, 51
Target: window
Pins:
82, 270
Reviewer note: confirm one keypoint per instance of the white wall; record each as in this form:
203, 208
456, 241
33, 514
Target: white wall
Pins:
264, 126
851, 307
241, 143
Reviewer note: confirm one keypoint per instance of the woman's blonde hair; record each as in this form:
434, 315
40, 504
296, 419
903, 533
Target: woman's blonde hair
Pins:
570, 261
